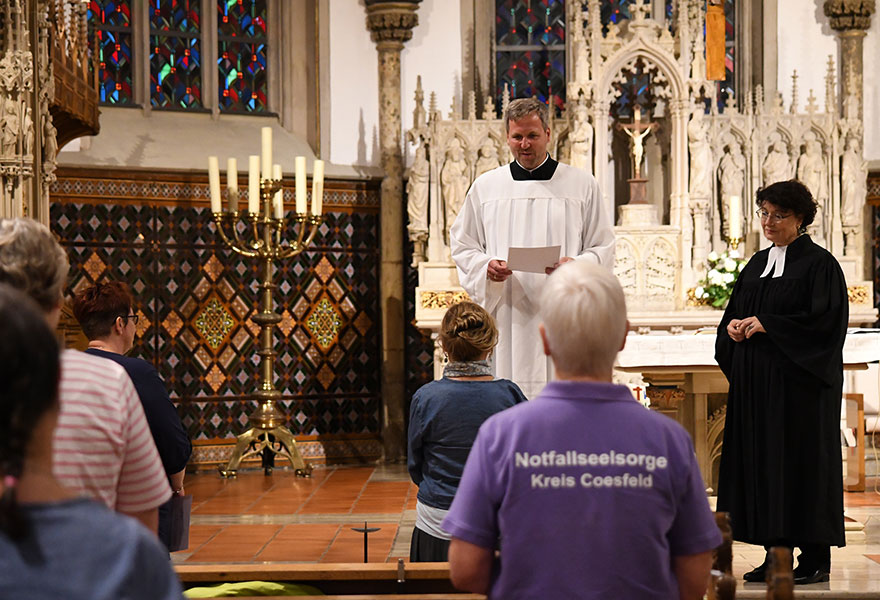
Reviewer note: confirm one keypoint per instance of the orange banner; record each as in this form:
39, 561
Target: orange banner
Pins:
715, 42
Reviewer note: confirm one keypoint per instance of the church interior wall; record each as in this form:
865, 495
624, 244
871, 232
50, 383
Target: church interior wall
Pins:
196, 302
434, 52
805, 40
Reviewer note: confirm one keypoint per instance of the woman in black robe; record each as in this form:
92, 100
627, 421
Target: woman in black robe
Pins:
780, 344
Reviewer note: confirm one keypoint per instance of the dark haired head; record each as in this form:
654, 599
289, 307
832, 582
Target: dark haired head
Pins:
29, 372
790, 195
97, 307
467, 332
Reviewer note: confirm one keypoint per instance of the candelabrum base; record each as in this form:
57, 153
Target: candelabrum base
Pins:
256, 440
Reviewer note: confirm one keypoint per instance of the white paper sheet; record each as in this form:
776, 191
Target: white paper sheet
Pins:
532, 260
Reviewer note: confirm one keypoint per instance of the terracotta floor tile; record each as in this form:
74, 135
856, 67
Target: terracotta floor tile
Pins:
382, 497
199, 534
235, 543
349, 545
339, 492
300, 542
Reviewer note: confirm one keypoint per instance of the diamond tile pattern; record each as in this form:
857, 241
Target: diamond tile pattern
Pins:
172, 257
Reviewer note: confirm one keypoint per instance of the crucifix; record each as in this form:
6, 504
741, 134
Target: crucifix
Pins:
637, 132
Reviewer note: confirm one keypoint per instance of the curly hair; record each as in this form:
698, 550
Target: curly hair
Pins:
523, 107
467, 331
790, 195
97, 307
29, 374
32, 260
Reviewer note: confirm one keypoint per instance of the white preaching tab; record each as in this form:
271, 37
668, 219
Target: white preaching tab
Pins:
532, 260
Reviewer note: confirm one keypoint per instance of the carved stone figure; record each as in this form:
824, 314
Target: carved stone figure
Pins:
28, 133
701, 156
811, 170
453, 182
776, 166
812, 173
488, 158
10, 126
581, 138
853, 184
417, 196
733, 168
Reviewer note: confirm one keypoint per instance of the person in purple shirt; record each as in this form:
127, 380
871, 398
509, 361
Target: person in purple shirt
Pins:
582, 491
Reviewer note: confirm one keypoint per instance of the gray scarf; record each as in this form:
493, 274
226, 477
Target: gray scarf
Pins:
470, 368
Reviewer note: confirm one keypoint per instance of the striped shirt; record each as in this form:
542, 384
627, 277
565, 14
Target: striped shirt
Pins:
103, 447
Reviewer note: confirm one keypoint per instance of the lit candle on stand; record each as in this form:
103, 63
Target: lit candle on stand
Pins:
278, 199
231, 185
318, 187
253, 184
300, 165
267, 152
734, 228
214, 183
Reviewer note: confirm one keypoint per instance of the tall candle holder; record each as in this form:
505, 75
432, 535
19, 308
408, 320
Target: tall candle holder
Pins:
262, 238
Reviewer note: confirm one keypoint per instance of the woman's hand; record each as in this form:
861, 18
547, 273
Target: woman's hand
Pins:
750, 326
734, 331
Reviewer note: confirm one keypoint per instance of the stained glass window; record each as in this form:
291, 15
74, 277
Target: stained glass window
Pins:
614, 11
530, 49
636, 90
241, 55
110, 33
727, 87
175, 54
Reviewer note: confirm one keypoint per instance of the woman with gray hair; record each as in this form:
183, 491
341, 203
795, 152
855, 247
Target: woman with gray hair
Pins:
103, 446
53, 544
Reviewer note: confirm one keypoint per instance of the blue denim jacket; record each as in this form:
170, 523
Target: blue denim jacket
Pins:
444, 418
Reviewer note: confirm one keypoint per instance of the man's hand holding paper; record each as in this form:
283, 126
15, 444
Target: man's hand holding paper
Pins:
541, 259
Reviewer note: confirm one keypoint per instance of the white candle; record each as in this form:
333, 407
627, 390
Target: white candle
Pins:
267, 152
232, 185
253, 184
300, 164
214, 183
318, 187
278, 199
735, 225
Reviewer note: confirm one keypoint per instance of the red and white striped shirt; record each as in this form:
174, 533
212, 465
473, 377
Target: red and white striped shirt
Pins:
103, 446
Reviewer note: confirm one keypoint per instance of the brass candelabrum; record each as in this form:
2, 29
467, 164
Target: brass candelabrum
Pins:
265, 242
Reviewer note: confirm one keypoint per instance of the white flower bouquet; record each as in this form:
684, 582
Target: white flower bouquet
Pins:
717, 286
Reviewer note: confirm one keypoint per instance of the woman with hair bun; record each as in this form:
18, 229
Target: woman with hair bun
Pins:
445, 416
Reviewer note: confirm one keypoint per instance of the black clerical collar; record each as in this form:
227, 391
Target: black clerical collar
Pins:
543, 172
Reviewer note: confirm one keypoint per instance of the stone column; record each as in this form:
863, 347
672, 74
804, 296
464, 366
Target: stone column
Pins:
850, 20
391, 24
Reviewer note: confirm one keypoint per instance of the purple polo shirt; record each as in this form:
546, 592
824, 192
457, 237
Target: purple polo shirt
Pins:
590, 494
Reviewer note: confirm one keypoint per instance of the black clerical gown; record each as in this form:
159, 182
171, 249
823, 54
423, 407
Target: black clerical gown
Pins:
780, 476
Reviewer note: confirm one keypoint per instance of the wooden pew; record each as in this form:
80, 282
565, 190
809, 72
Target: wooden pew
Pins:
722, 583
386, 579
780, 579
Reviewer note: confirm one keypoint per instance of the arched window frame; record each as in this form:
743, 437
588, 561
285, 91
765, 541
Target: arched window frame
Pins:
755, 23
294, 80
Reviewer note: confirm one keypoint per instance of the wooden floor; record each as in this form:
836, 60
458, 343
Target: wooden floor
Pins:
281, 518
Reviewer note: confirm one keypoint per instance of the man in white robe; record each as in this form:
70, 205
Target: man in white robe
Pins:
534, 201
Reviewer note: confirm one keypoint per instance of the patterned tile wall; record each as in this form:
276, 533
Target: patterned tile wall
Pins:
197, 299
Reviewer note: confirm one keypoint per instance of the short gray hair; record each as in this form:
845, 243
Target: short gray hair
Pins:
584, 314
32, 261
523, 107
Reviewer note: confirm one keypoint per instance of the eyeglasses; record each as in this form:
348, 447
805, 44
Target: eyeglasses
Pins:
132, 317
764, 215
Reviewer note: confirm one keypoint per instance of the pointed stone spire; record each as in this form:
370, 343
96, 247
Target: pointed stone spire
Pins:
794, 93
